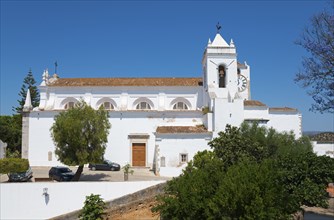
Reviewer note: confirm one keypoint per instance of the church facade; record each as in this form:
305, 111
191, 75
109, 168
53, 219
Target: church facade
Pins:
157, 122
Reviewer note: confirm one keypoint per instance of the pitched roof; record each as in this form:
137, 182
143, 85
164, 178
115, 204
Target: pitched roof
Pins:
181, 129
253, 103
67, 82
283, 109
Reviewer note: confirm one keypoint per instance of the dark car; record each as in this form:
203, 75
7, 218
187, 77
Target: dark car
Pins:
61, 174
106, 165
20, 177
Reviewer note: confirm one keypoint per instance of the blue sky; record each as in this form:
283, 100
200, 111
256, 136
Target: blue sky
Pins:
157, 39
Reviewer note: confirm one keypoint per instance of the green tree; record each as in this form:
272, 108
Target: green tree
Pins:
80, 135
305, 177
28, 83
13, 165
317, 74
11, 132
93, 208
252, 173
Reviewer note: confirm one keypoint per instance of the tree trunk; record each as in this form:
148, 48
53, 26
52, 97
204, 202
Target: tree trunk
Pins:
78, 173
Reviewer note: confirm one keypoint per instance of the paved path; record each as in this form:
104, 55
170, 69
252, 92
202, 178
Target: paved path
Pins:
140, 174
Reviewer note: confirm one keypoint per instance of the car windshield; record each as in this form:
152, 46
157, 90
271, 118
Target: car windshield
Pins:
64, 170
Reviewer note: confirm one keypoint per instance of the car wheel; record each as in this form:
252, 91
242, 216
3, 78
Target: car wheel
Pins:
61, 179
93, 168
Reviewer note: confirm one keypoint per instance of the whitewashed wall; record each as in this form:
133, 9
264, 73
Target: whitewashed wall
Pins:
256, 113
321, 149
172, 145
26, 200
286, 122
119, 145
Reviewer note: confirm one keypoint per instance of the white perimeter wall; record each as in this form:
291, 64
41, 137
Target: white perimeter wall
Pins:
26, 200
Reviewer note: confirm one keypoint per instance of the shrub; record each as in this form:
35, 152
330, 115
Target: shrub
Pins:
93, 208
13, 165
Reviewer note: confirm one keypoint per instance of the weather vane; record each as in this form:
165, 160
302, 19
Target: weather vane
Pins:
218, 26
56, 65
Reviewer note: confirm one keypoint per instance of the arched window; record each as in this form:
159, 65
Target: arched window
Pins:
143, 106
69, 105
107, 102
180, 106
222, 76
180, 103
107, 106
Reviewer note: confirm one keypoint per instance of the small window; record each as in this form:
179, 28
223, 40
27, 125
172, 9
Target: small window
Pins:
69, 105
180, 106
107, 106
183, 158
162, 161
49, 156
143, 106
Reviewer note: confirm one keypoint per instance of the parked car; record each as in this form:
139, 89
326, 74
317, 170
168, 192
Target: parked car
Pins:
21, 176
106, 165
61, 174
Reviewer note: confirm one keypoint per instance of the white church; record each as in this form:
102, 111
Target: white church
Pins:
158, 123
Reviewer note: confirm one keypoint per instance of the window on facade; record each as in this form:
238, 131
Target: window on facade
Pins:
222, 76
183, 158
69, 105
162, 161
49, 156
143, 106
180, 106
107, 106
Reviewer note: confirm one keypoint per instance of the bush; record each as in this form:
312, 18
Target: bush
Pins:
93, 208
13, 165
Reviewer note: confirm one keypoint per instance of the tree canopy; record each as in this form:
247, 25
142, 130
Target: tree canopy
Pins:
28, 83
317, 74
251, 173
80, 135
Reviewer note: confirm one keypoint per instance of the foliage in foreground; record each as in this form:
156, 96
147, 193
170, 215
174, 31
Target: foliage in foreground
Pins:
93, 208
80, 135
13, 165
252, 173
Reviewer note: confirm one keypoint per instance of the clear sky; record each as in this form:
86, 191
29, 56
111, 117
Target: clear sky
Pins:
157, 39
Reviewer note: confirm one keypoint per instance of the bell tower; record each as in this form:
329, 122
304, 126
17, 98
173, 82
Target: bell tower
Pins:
224, 88
220, 66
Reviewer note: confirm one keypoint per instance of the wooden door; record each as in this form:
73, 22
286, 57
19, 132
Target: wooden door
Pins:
139, 154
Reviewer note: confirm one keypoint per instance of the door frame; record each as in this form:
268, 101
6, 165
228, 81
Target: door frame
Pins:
140, 139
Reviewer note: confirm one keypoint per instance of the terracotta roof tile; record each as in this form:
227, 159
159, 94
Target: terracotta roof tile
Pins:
181, 129
253, 103
64, 82
283, 109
